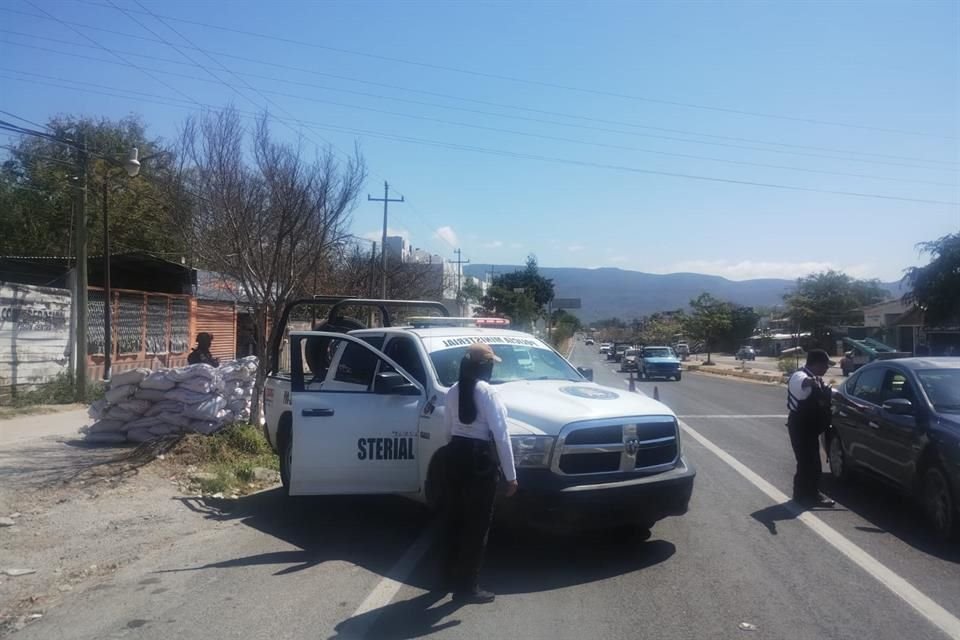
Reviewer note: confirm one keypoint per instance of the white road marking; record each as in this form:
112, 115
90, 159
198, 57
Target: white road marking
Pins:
933, 612
391, 583
752, 415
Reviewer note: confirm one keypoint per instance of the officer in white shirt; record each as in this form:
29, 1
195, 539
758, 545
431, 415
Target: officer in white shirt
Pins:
808, 403
478, 452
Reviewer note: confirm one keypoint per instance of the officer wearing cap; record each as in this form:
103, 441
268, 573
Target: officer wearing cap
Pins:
478, 452
808, 401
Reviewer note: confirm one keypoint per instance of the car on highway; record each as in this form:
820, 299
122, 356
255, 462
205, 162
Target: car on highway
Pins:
899, 420
617, 351
360, 411
630, 359
746, 353
605, 348
589, 342
659, 362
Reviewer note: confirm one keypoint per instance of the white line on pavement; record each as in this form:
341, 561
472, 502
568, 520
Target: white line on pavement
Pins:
940, 617
751, 415
391, 583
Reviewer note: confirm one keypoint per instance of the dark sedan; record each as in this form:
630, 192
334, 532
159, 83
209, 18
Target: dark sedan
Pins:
900, 421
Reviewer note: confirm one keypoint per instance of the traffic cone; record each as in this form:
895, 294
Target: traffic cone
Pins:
656, 393
633, 384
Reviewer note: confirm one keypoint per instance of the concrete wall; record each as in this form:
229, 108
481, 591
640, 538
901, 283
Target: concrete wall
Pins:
34, 335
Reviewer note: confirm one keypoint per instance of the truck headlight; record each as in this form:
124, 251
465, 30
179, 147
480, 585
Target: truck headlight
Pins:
531, 451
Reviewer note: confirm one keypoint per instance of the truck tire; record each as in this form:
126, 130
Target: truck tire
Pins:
678, 376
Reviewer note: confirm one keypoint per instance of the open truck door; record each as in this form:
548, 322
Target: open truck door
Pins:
355, 418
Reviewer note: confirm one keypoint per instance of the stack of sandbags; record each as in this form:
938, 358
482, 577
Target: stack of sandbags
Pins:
141, 405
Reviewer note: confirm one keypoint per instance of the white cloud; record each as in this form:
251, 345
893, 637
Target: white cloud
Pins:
749, 269
377, 236
574, 248
448, 235
495, 244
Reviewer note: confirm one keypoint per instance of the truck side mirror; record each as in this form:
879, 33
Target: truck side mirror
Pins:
586, 372
391, 383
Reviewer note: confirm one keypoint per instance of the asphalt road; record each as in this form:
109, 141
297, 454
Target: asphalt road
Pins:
363, 567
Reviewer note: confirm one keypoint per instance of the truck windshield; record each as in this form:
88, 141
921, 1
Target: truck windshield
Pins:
518, 363
657, 352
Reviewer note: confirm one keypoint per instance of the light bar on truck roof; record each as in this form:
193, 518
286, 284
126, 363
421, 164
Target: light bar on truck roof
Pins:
422, 322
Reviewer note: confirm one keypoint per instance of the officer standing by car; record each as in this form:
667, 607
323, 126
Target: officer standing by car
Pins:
478, 451
808, 403
201, 353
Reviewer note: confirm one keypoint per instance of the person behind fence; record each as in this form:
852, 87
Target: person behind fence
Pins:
808, 402
478, 452
201, 353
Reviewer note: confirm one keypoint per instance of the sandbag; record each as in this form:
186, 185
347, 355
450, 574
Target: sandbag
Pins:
164, 430
140, 435
106, 437
131, 376
120, 393
143, 423
193, 371
199, 385
238, 405
119, 413
175, 419
104, 426
166, 406
138, 407
206, 410
150, 395
236, 372
159, 380
186, 396
96, 409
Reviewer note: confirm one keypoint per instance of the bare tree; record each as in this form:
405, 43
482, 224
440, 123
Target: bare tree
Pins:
268, 217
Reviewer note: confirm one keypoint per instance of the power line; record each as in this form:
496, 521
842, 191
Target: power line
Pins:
505, 153
541, 83
453, 97
585, 142
30, 122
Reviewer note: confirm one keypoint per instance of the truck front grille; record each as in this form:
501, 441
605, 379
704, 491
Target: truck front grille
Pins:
646, 444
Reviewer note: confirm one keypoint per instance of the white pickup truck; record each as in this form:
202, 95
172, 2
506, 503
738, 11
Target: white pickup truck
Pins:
362, 413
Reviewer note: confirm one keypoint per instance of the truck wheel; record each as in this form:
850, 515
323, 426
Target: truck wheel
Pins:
678, 377
939, 508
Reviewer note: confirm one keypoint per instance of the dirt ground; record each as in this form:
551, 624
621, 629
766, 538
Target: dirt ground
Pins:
79, 513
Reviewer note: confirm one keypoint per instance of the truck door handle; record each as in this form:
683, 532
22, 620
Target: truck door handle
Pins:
873, 425
316, 413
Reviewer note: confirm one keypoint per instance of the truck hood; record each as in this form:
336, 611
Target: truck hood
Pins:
661, 361
544, 407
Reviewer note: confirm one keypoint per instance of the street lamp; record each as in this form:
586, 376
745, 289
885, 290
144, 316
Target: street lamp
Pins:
132, 166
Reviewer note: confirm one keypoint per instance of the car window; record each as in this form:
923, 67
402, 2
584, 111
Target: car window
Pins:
896, 385
404, 352
356, 366
942, 387
869, 385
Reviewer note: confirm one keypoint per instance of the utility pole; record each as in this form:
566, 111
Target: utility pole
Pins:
459, 262
386, 200
492, 272
373, 270
80, 241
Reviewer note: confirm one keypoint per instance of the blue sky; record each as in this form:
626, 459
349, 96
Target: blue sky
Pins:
580, 110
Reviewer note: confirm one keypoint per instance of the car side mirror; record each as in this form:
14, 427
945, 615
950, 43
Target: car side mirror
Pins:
391, 383
586, 372
898, 406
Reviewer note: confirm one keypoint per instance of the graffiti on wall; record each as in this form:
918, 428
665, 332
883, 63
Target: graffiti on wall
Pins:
34, 334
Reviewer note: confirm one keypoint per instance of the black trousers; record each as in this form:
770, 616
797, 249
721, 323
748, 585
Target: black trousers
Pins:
805, 440
472, 474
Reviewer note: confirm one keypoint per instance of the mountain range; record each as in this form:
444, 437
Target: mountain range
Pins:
612, 292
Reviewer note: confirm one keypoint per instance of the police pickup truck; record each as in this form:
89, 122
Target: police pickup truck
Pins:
360, 411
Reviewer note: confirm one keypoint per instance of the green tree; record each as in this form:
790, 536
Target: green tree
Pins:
38, 184
743, 322
661, 327
824, 300
709, 319
522, 295
935, 288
